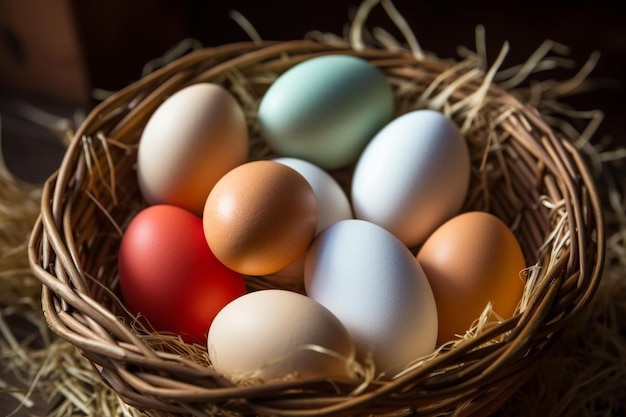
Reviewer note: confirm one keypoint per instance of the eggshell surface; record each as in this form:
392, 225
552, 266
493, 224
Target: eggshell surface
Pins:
471, 260
413, 175
332, 200
269, 334
191, 140
169, 276
325, 109
260, 217
373, 284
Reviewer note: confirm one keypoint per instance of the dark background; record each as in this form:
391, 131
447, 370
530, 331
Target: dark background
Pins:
106, 44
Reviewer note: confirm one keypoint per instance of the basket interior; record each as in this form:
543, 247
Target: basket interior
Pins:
521, 171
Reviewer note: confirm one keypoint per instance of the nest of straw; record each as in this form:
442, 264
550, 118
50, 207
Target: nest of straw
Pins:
524, 170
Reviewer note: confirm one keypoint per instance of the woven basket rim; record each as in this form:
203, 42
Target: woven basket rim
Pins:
471, 378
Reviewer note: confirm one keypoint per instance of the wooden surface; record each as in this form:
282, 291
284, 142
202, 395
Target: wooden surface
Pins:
41, 50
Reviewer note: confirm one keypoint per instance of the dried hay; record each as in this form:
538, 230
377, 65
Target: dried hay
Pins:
585, 374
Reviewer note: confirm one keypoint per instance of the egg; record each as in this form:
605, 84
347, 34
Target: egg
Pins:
413, 176
260, 217
471, 260
277, 334
169, 276
332, 201
374, 285
325, 109
191, 140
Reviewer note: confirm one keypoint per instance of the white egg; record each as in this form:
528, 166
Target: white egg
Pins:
367, 278
413, 175
332, 201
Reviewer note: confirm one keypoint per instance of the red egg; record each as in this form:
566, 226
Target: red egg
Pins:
169, 275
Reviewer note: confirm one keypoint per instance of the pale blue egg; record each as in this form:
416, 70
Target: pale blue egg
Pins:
326, 109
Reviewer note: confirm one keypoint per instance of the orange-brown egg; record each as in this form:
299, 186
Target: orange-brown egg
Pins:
471, 260
260, 217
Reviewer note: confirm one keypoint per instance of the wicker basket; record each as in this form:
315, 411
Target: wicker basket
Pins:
523, 172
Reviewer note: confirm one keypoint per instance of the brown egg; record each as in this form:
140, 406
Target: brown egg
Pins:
471, 260
260, 217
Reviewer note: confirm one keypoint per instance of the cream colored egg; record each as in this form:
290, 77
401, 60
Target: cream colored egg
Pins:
276, 334
192, 139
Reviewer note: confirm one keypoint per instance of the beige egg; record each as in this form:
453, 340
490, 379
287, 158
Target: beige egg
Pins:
471, 260
276, 334
192, 139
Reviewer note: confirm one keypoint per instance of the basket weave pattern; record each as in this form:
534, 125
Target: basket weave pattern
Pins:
522, 171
